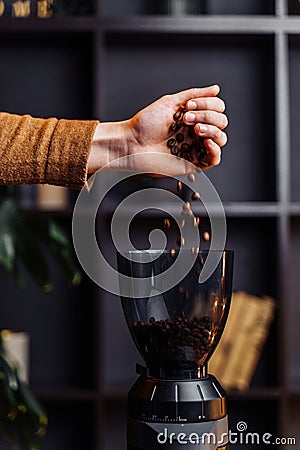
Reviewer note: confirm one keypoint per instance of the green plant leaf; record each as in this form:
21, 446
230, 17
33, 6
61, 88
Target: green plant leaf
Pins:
8, 212
23, 422
30, 253
60, 246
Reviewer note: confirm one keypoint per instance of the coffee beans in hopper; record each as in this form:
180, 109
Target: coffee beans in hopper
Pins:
178, 340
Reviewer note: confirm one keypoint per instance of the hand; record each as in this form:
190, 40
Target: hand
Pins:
149, 131
205, 112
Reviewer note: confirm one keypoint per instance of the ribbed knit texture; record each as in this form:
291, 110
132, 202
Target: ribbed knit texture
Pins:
52, 151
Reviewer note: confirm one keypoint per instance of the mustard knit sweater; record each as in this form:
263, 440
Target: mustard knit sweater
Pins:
49, 151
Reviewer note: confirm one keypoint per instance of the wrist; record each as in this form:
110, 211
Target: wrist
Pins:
111, 141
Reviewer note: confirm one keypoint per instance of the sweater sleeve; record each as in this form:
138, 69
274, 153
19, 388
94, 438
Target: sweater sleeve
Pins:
34, 150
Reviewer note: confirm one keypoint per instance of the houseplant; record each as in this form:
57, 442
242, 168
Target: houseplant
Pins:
25, 238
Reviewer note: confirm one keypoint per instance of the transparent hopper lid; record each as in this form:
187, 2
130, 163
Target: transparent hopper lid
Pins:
178, 328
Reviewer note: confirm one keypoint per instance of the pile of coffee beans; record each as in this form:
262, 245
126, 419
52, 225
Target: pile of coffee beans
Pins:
180, 339
184, 142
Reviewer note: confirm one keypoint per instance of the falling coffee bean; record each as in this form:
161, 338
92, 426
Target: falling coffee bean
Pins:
195, 196
180, 241
167, 224
196, 221
206, 236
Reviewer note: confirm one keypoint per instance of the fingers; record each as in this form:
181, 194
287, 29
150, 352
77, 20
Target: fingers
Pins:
211, 132
213, 157
189, 94
206, 103
206, 117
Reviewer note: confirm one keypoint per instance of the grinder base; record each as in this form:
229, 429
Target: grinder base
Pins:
166, 414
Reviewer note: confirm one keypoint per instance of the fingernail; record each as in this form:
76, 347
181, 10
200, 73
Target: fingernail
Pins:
202, 128
190, 117
192, 104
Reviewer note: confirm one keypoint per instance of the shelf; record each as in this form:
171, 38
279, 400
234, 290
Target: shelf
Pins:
242, 210
258, 393
216, 24
205, 24
54, 24
293, 392
294, 209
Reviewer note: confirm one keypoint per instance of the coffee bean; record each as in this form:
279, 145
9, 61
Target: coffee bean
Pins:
171, 142
180, 241
185, 147
205, 333
196, 221
175, 150
176, 126
167, 224
177, 116
179, 138
195, 196
206, 236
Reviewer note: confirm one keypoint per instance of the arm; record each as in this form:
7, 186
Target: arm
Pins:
63, 152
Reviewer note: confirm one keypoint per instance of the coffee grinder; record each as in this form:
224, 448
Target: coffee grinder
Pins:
175, 403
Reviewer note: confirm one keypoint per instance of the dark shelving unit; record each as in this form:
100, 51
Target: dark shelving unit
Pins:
107, 65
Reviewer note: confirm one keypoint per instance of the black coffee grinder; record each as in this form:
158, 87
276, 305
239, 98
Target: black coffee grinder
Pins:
176, 325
